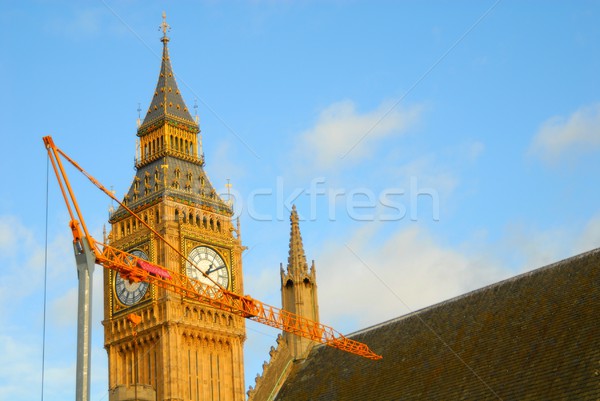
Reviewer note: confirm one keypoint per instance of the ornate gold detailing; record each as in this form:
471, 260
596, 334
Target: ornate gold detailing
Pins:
164, 27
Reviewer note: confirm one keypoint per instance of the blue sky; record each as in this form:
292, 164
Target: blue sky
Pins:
431, 149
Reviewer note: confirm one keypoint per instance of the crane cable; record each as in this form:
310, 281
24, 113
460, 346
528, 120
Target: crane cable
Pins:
57, 151
45, 276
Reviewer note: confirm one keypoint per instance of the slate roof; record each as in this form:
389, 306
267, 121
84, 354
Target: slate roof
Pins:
192, 187
532, 337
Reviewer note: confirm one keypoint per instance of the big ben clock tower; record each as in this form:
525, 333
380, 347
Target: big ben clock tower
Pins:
181, 350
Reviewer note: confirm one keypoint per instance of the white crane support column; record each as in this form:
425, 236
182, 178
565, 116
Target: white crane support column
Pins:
85, 259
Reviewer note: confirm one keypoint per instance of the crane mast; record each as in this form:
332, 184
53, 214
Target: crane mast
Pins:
89, 252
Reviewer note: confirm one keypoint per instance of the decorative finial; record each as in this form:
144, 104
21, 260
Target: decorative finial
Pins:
196, 118
111, 208
228, 186
164, 27
139, 120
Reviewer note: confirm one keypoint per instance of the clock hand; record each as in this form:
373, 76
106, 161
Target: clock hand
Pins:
212, 269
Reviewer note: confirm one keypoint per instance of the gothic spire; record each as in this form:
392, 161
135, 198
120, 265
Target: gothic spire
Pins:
167, 100
297, 259
299, 289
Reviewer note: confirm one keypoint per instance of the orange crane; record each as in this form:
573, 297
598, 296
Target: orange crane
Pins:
135, 269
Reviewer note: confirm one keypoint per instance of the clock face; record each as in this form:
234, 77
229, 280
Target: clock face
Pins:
129, 293
211, 263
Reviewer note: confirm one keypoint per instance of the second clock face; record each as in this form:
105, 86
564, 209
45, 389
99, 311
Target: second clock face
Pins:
211, 263
130, 293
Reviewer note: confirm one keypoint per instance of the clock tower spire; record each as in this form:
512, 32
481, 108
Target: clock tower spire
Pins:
167, 101
182, 350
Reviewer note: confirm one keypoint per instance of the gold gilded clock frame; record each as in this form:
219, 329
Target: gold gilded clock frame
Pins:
223, 246
116, 307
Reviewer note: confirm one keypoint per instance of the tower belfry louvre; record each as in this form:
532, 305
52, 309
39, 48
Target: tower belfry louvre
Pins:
182, 349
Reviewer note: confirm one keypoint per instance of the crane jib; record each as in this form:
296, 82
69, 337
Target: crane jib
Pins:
135, 270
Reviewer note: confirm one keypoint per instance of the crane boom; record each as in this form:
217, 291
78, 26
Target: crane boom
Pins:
136, 269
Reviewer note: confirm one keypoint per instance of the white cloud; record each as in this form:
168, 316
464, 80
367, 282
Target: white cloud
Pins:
436, 174
16, 378
372, 282
523, 247
63, 310
13, 234
21, 315
561, 135
473, 150
529, 248
590, 237
343, 135
374, 276
23, 258
19, 257
228, 167
429, 172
